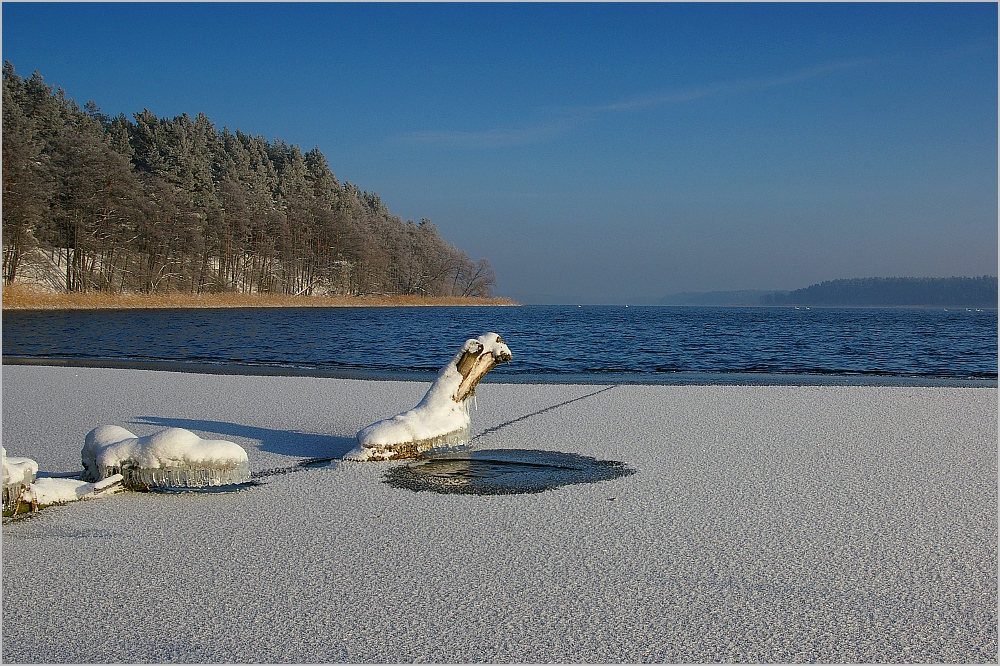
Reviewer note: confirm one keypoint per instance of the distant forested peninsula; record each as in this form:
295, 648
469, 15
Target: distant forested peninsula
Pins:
980, 292
969, 292
157, 205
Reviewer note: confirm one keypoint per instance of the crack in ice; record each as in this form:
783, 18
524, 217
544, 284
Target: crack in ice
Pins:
490, 431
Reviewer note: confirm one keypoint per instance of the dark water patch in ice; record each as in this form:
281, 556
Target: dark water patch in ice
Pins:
203, 490
502, 472
301, 466
314, 463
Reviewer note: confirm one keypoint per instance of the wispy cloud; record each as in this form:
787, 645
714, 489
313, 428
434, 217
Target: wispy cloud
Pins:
726, 89
576, 116
492, 138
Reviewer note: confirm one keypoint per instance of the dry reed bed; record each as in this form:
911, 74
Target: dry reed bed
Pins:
25, 298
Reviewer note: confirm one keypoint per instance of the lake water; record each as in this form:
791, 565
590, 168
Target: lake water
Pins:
601, 344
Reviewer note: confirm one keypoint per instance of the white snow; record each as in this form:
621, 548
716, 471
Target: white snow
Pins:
60, 491
441, 418
764, 524
171, 457
16, 472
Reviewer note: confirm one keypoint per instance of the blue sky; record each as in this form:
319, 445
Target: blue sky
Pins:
595, 153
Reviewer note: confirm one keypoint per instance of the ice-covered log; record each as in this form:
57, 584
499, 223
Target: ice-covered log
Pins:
16, 471
171, 458
60, 491
441, 419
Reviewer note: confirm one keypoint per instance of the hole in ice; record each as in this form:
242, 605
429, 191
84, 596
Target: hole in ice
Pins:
502, 472
313, 463
202, 490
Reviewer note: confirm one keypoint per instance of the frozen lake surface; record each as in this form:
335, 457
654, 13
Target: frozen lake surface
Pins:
761, 524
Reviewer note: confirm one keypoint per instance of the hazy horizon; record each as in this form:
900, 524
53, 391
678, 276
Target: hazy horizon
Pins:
595, 153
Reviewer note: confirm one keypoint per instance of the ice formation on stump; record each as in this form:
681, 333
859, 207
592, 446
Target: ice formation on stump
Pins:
442, 417
171, 458
16, 471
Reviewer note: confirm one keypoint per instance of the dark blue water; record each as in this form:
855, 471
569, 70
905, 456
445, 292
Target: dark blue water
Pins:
550, 343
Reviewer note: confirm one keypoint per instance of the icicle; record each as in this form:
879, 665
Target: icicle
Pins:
182, 476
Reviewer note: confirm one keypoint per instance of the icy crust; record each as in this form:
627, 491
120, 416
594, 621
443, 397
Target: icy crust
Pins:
16, 471
410, 449
414, 432
174, 457
441, 419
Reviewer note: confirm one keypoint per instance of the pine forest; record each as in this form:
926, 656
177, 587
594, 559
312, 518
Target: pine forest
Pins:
155, 205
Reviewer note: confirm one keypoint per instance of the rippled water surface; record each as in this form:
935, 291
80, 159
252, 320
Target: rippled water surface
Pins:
550, 343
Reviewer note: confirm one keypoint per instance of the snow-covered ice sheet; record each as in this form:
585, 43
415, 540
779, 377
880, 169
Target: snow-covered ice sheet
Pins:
846, 524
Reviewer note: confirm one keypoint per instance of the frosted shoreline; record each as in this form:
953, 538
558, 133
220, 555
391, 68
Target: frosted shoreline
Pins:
679, 378
764, 523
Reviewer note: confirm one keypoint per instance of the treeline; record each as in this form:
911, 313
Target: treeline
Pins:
150, 204
980, 292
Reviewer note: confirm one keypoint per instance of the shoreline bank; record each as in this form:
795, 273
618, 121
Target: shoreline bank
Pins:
23, 298
504, 376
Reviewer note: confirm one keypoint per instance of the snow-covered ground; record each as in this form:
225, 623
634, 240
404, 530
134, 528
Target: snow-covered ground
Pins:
764, 523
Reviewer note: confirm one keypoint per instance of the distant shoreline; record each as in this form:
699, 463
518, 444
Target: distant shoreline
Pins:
950, 292
24, 298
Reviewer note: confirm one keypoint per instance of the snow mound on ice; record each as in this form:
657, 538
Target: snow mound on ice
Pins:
174, 457
15, 472
441, 418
